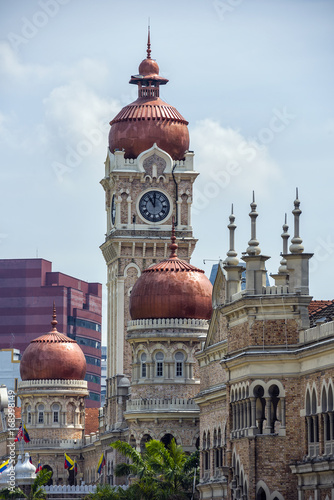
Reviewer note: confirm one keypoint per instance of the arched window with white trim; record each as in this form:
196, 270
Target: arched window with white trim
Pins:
143, 366
179, 364
40, 410
55, 413
159, 364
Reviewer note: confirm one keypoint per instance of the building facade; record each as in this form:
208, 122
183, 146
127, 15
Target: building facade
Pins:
266, 400
237, 371
28, 289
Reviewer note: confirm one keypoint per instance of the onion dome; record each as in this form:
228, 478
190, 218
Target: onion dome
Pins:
149, 120
171, 289
53, 356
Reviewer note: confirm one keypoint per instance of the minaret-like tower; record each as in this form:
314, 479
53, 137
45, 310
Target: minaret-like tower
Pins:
148, 179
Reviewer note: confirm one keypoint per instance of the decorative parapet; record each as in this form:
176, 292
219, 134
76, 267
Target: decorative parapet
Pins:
157, 405
70, 490
153, 324
317, 333
55, 443
82, 384
91, 438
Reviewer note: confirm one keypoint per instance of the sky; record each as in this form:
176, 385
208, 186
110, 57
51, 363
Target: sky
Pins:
254, 79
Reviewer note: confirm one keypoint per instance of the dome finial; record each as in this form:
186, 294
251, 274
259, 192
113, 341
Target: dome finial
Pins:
54, 321
296, 242
231, 259
285, 236
149, 40
173, 246
253, 248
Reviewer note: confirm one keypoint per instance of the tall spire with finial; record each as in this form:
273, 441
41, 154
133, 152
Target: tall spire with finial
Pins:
285, 236
173, 246
296, 242
231, 259
253, 248
149, 40
54, 321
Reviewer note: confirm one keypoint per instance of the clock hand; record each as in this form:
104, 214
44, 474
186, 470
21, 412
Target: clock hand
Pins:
154, 196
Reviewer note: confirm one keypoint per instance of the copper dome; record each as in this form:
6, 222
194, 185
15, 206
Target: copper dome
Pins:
171, 289
53, 356
149, 120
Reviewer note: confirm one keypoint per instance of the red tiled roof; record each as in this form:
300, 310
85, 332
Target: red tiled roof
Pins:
17, 412
149, 110
91, 420
316, 306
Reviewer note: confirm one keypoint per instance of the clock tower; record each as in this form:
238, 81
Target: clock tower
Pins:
148, 181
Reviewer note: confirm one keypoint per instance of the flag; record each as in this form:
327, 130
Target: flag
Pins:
19, 435
5, 465
69, 464
75, 467
30, 459
101, 464
25, 434
39, 467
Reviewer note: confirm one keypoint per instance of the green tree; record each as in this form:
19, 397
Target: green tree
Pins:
104, 492
6, 493
160, 473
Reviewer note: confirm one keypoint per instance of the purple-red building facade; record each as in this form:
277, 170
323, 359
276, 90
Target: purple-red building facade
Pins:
28, 288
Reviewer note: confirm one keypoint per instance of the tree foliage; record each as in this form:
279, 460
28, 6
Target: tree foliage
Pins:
159, 473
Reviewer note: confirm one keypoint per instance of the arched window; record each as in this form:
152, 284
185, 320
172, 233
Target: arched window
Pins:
167, 439
55, 413
179, 361
261, 495
29, 414
143, 365
145, 439
274, 401
260, 407
133, 441
159, 364
40, 410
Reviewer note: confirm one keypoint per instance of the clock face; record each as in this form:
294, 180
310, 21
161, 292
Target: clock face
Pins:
113, 210
154, 206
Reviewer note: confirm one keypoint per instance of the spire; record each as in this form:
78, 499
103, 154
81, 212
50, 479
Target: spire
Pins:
285, 236
296, 242
231, 259
173, 246
149, 40
253, 248
54, 321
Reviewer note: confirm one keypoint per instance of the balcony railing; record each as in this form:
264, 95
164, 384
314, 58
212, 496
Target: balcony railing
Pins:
149, 405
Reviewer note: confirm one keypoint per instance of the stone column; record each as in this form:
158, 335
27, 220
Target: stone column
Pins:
267, 429
253, 412
283, 413
321, 433
233, 418
325, 417
129, 201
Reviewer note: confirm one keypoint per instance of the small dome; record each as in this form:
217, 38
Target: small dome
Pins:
124, 382
171, 289
53, 356
25, 470
148, 67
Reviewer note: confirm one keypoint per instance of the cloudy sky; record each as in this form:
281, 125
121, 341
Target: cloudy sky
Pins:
254, 79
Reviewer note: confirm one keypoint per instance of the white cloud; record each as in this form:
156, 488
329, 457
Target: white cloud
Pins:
226, 159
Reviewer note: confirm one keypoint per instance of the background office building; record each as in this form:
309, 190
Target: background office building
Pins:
28, 288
